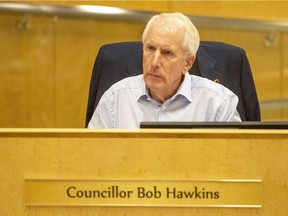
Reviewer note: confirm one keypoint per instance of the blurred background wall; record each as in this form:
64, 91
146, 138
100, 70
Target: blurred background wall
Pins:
46, 61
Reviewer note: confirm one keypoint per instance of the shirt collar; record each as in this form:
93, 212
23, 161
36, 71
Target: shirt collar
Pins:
144, 93
185, 88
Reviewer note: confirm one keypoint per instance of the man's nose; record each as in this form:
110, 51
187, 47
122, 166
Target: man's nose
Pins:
156, 59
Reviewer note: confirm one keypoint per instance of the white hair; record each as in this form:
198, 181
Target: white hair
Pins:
191, 36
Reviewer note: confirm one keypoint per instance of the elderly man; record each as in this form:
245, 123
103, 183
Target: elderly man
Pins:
165, 91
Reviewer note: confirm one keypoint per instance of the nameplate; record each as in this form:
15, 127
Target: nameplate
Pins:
204, 193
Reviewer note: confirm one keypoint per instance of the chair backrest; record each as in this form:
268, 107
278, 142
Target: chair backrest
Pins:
221, 62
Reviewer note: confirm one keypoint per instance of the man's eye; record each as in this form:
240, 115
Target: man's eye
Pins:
167, 52
151, 48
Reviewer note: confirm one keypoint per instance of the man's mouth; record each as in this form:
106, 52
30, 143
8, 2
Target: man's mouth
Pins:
154, 75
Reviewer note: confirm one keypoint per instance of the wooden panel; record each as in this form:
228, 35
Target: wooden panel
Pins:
143, 154
27, 76
237, 9
157, 6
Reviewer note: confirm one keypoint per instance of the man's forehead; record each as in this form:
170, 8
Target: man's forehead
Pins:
165, 40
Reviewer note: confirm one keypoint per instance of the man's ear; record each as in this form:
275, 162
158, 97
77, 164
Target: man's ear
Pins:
189, 62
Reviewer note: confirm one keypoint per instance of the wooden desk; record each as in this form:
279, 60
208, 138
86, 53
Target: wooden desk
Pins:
143, 154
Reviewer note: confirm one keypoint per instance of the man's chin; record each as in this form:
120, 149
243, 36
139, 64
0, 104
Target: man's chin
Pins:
154, 86
152, 80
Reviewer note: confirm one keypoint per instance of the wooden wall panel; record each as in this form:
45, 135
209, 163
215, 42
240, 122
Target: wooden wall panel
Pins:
236, 9
27, 71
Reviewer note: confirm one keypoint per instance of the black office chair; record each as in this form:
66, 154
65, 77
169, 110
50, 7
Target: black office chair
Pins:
217, 61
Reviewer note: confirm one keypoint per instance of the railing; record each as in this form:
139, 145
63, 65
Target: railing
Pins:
274, 104
119, 14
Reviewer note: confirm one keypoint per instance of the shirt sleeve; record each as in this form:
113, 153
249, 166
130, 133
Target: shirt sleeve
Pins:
229, 110
103, 117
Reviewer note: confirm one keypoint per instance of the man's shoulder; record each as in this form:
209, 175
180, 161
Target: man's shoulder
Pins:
205, 84
129, 83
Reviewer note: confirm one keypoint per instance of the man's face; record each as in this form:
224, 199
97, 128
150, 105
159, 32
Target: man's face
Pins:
164, 61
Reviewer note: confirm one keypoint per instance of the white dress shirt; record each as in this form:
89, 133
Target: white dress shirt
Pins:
127, 103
